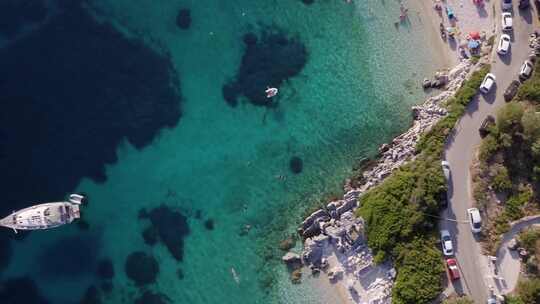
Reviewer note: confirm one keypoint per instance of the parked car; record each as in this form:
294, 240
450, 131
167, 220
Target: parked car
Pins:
484, 127
504, 44
507, 21
453, 270
475, 220
487, 83
523, 4
511, 91
506, 4
526, 70
446, 241
443, 199
446, 169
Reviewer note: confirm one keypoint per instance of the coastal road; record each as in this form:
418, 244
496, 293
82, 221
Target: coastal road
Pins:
461, 147
508, 261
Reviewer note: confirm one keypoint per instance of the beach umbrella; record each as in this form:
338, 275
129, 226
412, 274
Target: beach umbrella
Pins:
474, 35
473, 44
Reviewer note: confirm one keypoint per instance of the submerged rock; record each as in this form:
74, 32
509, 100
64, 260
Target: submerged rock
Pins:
105, 269
250, 38
20, 290
183, 19
209, 224
149, 297
296, 276
267, 61
308, 2
150, 235
65, 255
287, 243
296, 165
91, 296
292, 260
180, 274
86, 94
172, 227
106, 287
141, 268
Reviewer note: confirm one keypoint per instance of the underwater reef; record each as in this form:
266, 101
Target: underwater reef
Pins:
73, 90
142, 268
20, 290
268, 61
168, 226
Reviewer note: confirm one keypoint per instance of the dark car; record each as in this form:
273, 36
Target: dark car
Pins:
511, 91
484, 128
443, 199
523, 4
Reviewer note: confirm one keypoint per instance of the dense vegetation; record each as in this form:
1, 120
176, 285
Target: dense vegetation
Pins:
528, 292
458, 300
510, 167
510, 160
400, 212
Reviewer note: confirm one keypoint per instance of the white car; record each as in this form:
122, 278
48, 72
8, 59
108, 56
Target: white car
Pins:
504, 44
506, 21
475, 220
506, 4
526, 70
446, 169
446, 241
487, 83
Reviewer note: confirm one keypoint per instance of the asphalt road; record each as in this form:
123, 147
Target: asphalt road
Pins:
462, 145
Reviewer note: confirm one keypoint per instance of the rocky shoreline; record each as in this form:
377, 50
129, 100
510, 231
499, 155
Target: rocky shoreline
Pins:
334, 231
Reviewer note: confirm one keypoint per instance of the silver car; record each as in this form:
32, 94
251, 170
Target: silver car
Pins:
446, 240
526, 70
446, 169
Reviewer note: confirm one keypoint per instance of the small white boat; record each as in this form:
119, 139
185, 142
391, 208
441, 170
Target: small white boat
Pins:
45, 216
235, 276
271, 92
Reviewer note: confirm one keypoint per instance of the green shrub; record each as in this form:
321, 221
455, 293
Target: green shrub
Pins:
420, 272
531, 125
501, 181
529, 290
488, 147
509, 116
513, 300
535, 149
528, 239
460, 300
530, 90
397, 212
514, 205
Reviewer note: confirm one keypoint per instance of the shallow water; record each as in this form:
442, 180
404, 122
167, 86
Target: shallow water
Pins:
221, 162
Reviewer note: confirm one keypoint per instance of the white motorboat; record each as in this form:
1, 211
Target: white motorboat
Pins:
271, 92
45, 216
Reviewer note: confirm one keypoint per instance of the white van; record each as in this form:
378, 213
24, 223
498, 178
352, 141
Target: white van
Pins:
475, 220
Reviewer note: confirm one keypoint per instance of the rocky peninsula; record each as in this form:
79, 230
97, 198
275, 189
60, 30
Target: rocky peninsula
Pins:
334, 240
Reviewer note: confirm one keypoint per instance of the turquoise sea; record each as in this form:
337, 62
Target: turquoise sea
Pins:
149, 127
